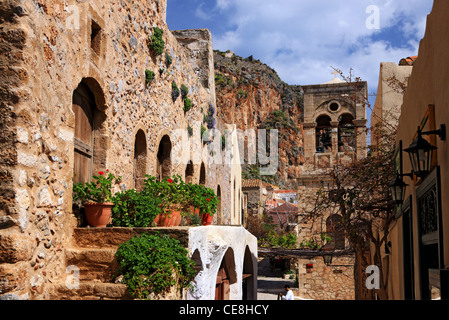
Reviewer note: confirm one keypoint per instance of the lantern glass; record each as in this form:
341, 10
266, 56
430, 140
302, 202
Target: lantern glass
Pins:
327, 259
397, 188
421, 154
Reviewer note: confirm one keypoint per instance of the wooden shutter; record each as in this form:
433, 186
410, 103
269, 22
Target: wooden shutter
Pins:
83, 106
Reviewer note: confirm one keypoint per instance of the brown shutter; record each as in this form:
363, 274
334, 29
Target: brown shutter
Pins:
83, 106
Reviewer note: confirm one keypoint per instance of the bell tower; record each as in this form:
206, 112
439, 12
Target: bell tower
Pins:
334, 123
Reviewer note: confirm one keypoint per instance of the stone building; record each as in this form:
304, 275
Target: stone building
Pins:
419, 237
253, 190
393, 80
75, 99
334, 123
334, 133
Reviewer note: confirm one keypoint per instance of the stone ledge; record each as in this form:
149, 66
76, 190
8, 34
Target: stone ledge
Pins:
90, 291
99, 238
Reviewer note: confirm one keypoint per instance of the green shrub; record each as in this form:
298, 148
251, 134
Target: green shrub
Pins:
134, 209
175, 91
149, 76
187, 104
151, 263
184, 91
157, 43
168, 60
190, 130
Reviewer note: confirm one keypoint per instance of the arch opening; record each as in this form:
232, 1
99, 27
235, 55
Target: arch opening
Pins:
163, 167
140, 160
226, 276
89, 136
323, 134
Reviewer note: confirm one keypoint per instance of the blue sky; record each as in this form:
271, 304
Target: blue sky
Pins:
303, 39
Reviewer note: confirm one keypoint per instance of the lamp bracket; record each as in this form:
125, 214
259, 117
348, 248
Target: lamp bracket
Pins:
440, 132
410, 174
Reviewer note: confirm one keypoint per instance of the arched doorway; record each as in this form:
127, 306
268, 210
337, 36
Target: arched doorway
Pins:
226, 276
87, 106
163, 167
249, 277
140, 160
323, 134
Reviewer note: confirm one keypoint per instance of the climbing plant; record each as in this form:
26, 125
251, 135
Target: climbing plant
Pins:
153, 263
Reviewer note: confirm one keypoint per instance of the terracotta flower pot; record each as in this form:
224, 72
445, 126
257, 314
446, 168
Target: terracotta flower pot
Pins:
98, 214
194, 210
172, 218
206, 219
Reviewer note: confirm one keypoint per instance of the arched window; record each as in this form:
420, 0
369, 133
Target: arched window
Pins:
163, 168
335, 230
323, 134
346, 133
140, 160
203, 174
189, 173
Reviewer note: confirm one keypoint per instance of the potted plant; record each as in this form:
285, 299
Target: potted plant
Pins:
204, 201
134, 209
96, 197
172, 194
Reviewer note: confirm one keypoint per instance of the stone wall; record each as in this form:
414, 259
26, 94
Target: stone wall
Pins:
48, 48
320, 282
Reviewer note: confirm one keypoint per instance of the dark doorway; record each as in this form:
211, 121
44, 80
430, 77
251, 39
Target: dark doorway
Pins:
140, 160
163, 169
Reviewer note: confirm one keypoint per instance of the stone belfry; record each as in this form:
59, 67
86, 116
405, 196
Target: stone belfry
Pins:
334, 123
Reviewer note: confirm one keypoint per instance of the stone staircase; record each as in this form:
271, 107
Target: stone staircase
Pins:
92, 254
96, 268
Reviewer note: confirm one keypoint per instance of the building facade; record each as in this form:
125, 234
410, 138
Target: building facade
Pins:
419, 253
83, 91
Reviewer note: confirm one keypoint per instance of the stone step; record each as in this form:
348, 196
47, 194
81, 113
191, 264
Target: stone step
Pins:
89, 291
93, 264
103, 238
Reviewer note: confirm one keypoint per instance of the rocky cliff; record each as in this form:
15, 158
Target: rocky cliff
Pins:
251, 95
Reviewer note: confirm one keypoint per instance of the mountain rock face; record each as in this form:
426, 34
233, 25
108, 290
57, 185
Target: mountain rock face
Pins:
251, 95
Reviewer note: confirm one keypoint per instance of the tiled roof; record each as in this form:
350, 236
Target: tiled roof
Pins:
251, 183
284, 191
409, 61
285, 208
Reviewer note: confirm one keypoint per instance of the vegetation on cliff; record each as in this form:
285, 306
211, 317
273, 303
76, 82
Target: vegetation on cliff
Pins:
251, 95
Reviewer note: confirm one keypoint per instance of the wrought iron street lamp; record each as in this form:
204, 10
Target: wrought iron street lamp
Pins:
397, 188
327, 258
421, 151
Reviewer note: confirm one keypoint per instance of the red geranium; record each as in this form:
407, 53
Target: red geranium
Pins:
101, 173
170, 180
208, 199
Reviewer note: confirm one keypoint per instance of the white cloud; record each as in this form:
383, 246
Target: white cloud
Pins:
301, 39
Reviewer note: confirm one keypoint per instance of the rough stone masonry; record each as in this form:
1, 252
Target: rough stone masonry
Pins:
48, 48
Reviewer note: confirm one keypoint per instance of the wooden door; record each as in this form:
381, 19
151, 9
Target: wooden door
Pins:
222, 286
83, 107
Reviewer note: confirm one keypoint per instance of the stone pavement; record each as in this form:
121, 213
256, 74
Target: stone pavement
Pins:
271, 283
